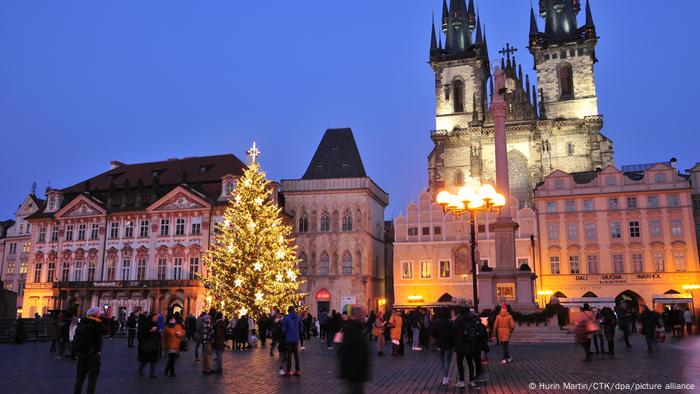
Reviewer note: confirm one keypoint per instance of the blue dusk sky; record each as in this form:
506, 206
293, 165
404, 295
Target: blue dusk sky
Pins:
86, 82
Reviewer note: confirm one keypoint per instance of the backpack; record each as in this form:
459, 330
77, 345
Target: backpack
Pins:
471, 332
83, 341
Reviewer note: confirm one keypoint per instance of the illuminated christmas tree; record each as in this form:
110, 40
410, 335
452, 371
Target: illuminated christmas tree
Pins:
252, 263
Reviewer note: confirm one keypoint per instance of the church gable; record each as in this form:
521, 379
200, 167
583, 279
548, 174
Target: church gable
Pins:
80, 206
179, 198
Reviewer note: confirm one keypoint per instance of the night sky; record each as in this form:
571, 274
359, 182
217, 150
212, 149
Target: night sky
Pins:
86, 82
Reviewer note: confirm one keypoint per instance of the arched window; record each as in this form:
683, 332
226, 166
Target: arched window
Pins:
324, 264
569, 149
458, 96
303, 264
347, 221
566, 82
347, 263
325, 222
459, 178
303, 223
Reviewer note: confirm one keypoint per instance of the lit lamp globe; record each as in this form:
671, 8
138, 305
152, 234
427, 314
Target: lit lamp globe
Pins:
466, 195
454, 204
487, 192
443, 198
499, 201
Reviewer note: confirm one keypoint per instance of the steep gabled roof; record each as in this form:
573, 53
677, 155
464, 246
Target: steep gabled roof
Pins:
337, 156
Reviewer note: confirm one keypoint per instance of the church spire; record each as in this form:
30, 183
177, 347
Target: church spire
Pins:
445, 15
479, 38
533, 22
433, 41
471, 16
589, 14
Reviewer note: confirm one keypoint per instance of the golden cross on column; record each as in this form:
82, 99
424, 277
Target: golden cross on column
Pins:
253, 153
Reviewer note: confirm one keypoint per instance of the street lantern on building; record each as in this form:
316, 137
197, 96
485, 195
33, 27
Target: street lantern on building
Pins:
470, 200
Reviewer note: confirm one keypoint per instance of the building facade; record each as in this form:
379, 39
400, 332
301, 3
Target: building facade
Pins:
432, 263
338, 219
130, 239
617, 234
694, 174
553, 126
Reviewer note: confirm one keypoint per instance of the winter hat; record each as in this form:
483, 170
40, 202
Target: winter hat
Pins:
94, 311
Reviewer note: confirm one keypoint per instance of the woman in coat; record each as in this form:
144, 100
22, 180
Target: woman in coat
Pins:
148, 349
395, 328
377, 331
503, 326
354, 353
172, 335
609, 324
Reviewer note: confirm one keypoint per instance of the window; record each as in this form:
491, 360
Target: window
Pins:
615, 231
51, 272
574, 265
347, 263
553, 232
161, 268
676, 228
658, 258
325, 222
558, 183
42, 235
631, 202
406, 269
177, 268
587, 205
679, 260
54, 234
660, 177
23, 265
303, 264
566, 82
610, 180
554, 265
570, 205
143, 229
10, 270
13, 248
78, 271
613, 203
653, 201
569, 149
37, 272
412, 231
551, 206
347, 221
129, 229
69, 232
110, 270
91, 271
655, 227
590, 229
141, 269
114, 230
634, 229
481, 228
426, 230
696, 205
324, 264
81, 232
459, 178
179, 226
445, 271
572, 231
672, 200
637, 262
425, 272
65, 271
197, 228
126, 269
164, 227
303, 223
94, 231
592, 261
437, 230
458, 94
618, 263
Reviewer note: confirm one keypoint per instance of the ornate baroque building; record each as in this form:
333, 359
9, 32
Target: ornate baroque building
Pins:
553, 126
129, 239
338, 214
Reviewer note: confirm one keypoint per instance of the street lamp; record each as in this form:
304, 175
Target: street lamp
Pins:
471, 200
544, 294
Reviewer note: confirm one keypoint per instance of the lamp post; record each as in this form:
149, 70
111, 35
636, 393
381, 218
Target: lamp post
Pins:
471, 201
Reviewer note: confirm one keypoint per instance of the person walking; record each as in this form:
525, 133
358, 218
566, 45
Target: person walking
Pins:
609, 323
55, 334
292, 328
131, 329
207, 339
219, 342
72, 328
586, 327
377, 331
88, 348
263, 327
148, 349
503, 326
241, 333
649, 321
598, 336
678, 322
688, 318
395, 327
625, 315
442, 331
470, 338
277, 335
173, 334
416, 320
353, 353
322, 321
198, 330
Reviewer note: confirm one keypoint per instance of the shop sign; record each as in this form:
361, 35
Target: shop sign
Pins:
612, 278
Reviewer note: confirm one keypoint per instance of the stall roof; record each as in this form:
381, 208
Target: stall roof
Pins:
671, 298
592, 301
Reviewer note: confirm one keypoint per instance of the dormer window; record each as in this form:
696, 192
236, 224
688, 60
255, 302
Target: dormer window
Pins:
660, 177
228, 185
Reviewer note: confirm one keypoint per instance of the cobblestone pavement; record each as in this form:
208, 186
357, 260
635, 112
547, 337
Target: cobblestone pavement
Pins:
30, 368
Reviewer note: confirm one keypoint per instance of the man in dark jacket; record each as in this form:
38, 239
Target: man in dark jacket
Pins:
88, 347
649, 321
470, 338
292, 328
353, 353
131, 329
441, 330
